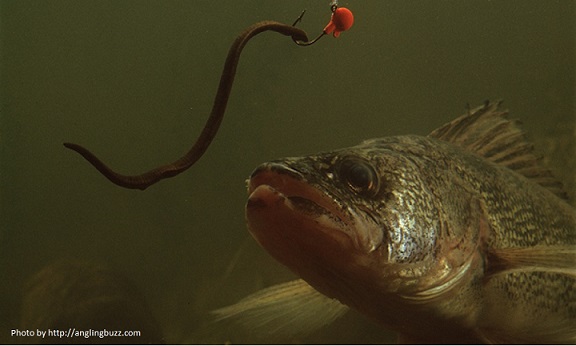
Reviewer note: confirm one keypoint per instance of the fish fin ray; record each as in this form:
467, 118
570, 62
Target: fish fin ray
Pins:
559, 259
487, 132
287, 309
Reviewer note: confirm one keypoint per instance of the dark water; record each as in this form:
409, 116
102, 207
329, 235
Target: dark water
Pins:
134, 82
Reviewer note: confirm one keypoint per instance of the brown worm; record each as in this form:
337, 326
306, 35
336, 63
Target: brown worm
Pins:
151, 177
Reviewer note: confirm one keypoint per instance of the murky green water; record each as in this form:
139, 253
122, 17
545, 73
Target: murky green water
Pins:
134, 81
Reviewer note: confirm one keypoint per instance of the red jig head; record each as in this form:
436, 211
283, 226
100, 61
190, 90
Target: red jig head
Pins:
341, 20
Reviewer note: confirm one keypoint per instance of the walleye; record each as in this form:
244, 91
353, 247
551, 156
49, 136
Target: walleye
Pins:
458, 237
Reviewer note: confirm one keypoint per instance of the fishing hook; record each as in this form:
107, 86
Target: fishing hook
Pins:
341, 20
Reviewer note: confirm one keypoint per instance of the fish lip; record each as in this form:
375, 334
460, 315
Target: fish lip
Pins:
292, 184
268, 170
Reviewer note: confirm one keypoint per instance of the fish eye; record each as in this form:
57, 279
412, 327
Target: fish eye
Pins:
359, 176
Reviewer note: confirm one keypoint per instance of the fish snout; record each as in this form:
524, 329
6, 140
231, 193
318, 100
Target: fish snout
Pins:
273, 173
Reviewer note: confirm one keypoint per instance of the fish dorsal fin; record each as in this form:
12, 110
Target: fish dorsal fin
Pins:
284, 310
487, 132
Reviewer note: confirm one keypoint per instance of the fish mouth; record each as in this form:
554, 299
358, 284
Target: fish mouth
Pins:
296, 222
279, 182
282, 200
286, 212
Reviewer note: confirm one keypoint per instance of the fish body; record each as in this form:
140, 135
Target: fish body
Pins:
460, 236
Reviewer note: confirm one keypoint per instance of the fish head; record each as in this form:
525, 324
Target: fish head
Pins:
359, 223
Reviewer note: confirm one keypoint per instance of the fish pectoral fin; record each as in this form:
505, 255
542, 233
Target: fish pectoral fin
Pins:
555, 258
546, 331
529, 295
287, 309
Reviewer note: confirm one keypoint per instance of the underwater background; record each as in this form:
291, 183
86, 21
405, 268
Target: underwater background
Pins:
134, 82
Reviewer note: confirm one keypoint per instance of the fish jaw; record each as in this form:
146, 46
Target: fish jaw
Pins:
277, 225
306, 229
